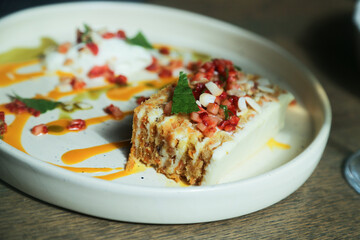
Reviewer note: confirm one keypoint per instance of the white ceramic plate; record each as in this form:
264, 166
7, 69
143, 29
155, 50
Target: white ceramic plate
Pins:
149, 197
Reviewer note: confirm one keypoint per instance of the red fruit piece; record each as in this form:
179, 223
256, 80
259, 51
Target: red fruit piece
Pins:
114, 111
108, 35
93, 48
40, 129
3, 125
76, 125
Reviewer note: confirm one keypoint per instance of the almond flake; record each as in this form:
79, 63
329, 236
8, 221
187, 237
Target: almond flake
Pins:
206, 98
253, 104
242, 104
266, 89
214, 89
263, 81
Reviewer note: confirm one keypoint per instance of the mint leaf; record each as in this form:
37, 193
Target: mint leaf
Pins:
140, 40
42, 105
183, 98
226, 111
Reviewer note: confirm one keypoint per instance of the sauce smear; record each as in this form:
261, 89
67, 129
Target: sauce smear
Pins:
80, 155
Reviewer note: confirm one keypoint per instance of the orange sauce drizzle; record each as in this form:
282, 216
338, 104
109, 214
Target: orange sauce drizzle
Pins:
57, 94
59, 127
125, 93
86, 169
139, 167
80, 155
272, 143
9, 74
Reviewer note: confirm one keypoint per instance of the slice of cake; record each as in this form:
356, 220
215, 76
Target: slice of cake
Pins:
198, 130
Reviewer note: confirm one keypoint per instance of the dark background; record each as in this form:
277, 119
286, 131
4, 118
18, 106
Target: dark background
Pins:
10, 6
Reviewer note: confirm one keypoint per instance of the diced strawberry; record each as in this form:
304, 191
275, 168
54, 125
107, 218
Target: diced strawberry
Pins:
194, 66
108, 35
209, 132
229, 128
234, 120
164, 50
210, 121
39, 130
164, 73
76, 125
114, 111
194, 116
77, 84
213, 108
121, 34
93, 48
201, 126
100, 71
226, 102
174, 64
154, 66
120, 79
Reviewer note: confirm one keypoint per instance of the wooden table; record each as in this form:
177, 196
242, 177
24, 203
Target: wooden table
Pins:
320, 34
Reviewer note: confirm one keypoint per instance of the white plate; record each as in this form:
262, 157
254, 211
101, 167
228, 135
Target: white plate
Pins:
147, 197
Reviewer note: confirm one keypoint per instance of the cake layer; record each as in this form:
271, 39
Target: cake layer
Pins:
199, 130
247, 141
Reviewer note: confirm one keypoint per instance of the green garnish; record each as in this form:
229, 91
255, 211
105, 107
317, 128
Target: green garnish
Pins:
140, 40
237, 68
183, 99
86, 35
226, 111
42, 105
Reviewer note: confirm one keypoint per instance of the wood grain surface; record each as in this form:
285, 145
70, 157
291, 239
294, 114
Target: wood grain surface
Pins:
321, 35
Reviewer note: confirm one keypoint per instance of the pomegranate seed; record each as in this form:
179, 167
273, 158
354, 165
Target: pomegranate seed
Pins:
93, 48
76, 125
39, 130
114, 111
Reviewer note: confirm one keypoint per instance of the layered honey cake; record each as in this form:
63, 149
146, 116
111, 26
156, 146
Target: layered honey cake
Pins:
201, 128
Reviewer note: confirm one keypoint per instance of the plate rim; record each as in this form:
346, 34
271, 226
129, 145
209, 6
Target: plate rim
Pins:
322, 133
